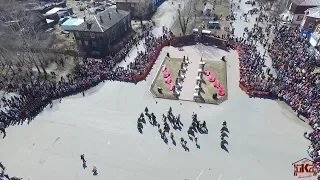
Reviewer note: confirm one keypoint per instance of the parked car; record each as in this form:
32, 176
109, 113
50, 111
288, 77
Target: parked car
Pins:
100, 9
108, 4
213, 25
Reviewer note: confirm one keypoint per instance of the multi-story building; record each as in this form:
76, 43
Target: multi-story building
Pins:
136, 6
95, 35
310, 19
297, 8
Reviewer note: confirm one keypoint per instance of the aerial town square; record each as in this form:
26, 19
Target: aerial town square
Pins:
160, 89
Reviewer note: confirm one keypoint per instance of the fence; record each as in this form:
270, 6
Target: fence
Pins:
247, 89
191, 39
151, 62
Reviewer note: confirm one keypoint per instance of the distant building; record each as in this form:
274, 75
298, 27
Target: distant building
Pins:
310, 19
131, 5
297, 8
58, 12
95, 35
315, 36
45, 7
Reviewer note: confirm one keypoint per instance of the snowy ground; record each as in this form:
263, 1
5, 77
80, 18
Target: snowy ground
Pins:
265, 138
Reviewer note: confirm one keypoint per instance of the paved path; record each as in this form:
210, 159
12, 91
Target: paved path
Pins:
191, 74
194, 53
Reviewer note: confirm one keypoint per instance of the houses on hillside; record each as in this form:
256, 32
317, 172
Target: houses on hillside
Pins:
94, 35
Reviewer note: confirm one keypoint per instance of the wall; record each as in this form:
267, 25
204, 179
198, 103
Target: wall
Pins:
127, 6
297, 18
130, 6
307, 22
189, 40
96, 42
101, 39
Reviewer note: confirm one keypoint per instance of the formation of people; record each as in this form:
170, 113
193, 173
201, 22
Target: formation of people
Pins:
33, 97
171, 122
224, 134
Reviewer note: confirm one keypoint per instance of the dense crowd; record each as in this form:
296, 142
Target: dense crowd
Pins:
35, 96
296, 83
294, 80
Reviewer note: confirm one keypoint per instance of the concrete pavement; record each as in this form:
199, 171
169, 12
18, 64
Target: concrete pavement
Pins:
264, 137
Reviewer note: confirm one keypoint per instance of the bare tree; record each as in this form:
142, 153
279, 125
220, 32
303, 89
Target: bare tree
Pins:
185, 14
24, 35
279, 7
142, 9
267, 3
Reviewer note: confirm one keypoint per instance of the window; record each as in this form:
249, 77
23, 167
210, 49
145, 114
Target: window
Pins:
92, 35
76, 34
317, 30
113, 34
86, 43
290, 6
311, 25
79, 42
94, 43
125, 25
129, 22
300, 17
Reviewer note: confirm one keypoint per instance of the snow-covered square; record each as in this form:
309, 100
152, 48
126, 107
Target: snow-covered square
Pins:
265, 137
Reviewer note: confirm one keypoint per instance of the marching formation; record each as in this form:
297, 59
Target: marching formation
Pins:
171, 122
224, 133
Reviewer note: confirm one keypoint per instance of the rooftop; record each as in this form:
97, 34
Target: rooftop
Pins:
134, 1
73, 22
313, 12
102, 21
54, 10
306, 2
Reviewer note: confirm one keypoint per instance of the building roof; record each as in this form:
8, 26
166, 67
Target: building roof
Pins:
54, 10
314, 12
73, 22
130, 1
306, 2
49, 21
107, 22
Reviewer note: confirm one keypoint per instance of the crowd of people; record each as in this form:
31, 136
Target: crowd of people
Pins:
171, 123
33, 97
295, 80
